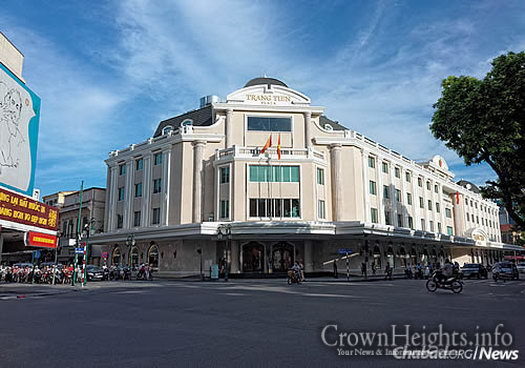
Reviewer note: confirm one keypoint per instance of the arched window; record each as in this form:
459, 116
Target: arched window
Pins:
116, 257
167, 129
134, 257
153, 256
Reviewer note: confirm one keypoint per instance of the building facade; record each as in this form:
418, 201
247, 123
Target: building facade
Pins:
317, 189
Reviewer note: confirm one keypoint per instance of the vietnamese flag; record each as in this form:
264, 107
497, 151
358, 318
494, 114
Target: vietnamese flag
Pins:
457, 197
267, 145
279, 147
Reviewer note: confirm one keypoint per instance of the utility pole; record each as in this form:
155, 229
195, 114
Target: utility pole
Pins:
79, 232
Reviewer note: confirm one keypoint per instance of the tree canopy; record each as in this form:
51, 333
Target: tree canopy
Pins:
483, 120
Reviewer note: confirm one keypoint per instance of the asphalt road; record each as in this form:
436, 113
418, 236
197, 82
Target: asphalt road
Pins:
246, 323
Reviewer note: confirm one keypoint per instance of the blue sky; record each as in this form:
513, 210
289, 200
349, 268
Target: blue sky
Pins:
109, 71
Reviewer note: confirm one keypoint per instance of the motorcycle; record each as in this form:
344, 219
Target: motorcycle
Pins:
438, 281
293, 277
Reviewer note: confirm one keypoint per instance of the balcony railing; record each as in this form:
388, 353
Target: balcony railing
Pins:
271, 153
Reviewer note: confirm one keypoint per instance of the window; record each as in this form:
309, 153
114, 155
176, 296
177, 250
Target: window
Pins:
439, 227
450, 231
387, 218
400, 220
155, 218
423, 224
371, 162
386, 192
321, 210
398, 195
224, 173
410, 222
430, 205
269, 124
409, 199
138, 190
421, 203
139, 164
432, 226
477, 219
224, 211
121, 193
407, 177
428, 185
476, 205
373, 189
320, 176
136, 218
120, 221
397, 172
437, 207
436, 188
419, 182
279, 174
122, 169
274, 207
167, 129
373, 213
157, 158
157, 185
468, 217
385, 167
448, 213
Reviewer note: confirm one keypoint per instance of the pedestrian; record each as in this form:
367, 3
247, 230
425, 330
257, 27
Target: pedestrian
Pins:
373, 267
388, 271
363, 269
335, 269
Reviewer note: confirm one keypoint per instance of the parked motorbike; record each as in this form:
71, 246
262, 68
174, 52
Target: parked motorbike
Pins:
438, 281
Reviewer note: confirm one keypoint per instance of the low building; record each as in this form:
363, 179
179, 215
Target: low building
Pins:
283, 183
91, 216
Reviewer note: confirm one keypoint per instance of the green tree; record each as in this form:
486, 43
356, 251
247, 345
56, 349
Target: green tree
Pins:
484, 121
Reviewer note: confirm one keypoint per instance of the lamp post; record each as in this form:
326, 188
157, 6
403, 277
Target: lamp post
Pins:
86, 232
225, 230
199, 251
57, 249
130, 242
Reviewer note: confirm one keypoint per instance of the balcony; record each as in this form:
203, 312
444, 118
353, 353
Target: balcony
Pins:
250, 153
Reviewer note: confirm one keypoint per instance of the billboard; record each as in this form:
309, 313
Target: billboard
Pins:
23, 210
19, 119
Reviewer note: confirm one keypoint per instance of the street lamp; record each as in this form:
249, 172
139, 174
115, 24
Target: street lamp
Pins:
85, 233
225, 230
130, 242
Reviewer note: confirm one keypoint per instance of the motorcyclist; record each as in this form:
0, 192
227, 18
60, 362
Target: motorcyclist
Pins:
447, 272
296, 268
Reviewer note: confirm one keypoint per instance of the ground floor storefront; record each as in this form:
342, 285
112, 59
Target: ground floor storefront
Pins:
260, 251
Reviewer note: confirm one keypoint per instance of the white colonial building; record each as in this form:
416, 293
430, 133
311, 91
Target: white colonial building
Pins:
317, 189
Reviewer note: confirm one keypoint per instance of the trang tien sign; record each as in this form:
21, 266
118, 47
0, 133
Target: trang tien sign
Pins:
23, 210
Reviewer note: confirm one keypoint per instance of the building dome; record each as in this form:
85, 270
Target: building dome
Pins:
470, 186
264, 80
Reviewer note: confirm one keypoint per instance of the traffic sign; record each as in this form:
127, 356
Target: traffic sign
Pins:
79, 250
345, 251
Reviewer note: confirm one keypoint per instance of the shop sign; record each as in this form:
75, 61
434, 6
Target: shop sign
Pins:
23, 210
35, 239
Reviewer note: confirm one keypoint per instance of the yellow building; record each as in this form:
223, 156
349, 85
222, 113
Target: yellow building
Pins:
318, 189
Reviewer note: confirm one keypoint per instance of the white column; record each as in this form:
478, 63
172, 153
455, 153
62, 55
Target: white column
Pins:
146, 189
337, 189
366, 190
198, 154
111, 203
235, 268
165, 190
308, 257
308, 129
130, 195
229, 128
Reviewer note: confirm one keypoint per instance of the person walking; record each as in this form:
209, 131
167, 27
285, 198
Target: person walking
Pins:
335, 269
388, 272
